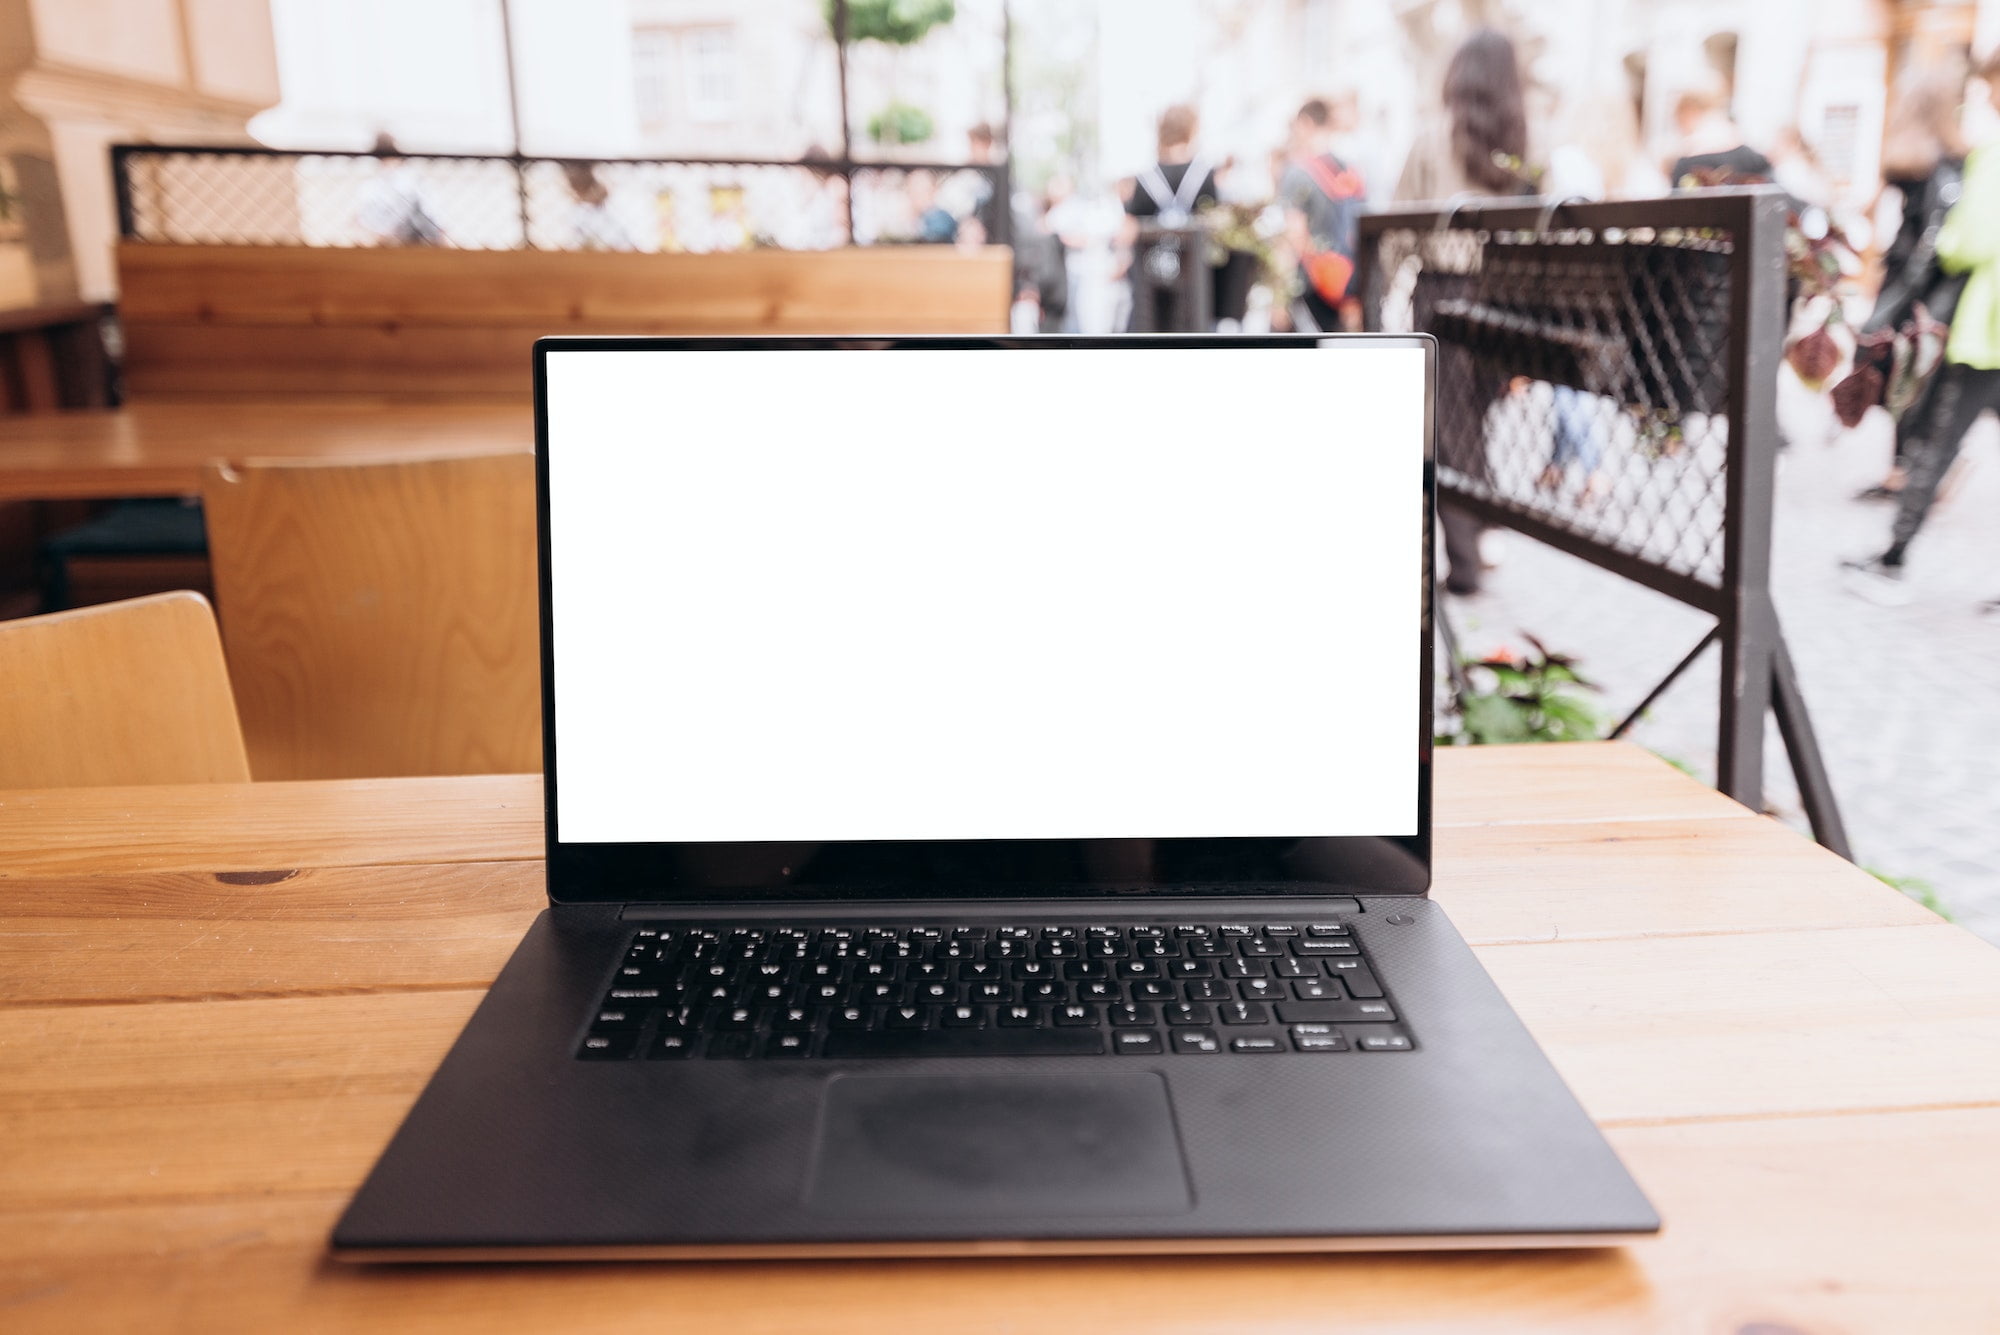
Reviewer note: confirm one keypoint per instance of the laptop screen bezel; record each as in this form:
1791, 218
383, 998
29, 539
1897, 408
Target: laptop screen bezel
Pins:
668, 873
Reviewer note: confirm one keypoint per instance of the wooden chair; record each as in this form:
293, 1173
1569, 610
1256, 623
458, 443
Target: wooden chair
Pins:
380, 618
122, 693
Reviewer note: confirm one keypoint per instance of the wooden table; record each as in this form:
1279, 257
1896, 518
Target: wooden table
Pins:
159, 448
216, 1003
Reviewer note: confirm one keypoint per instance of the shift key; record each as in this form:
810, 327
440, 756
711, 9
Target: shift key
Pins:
1335, 1012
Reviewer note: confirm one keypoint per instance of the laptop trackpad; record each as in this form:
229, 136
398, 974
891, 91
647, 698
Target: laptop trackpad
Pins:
998, 1146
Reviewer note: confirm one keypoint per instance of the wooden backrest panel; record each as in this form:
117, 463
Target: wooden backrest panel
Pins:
381, 618
123, 693
215, 321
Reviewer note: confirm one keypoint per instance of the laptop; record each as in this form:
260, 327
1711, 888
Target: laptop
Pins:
988, 811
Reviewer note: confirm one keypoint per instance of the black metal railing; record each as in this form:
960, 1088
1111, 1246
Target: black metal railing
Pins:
229, 195
1607, 384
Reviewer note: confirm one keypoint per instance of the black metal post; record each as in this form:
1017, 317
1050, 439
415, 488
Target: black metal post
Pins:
1795, 726
514, 119
1749, 623
121, 187
846, 122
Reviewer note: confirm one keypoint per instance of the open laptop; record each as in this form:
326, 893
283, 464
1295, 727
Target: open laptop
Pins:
988, 798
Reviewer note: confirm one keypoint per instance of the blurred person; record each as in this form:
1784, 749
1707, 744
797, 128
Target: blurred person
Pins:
1968, 382
1478, 145
1323, 199
597, 227
934, 223
1170, 192
1711, 147
1923, 161
393, 208
985, 205
1477, 148
1041, 275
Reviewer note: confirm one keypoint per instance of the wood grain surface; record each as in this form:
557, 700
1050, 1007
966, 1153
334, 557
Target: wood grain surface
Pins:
380, 619
159, 449
126, 693
217, 1002
217, 322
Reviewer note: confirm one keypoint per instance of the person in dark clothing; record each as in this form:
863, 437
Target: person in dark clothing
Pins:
1479, 147
1324, 199
1169, 193
1923, 159
1712, 148
1968, 382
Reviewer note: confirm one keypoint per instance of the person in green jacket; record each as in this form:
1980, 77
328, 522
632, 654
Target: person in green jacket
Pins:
1968, 382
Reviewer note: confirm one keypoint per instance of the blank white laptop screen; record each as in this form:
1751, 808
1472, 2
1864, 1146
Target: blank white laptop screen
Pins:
986, 594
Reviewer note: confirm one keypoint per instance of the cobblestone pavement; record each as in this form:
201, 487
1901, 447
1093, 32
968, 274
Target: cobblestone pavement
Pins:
1906, 701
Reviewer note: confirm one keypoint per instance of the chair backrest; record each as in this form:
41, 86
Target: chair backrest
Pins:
380, 618
122, 693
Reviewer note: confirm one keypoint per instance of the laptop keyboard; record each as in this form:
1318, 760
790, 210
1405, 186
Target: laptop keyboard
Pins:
859, 992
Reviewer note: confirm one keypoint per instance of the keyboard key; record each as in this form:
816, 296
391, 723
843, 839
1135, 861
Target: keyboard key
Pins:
1244, 1012
1131, 1014
1326, 929
964, 1017
1207, 991
618, 1017
1260, 946
1020, 1015
1280, 929
1193, 968
673, 1044
1256, 1045
964, 1043
1306, 1042
1185, 1013
1134, 1042
614, 1046
1330, 945
1245, 969
1076, 1015
850, 1017
788, 1045
1195, 1040
1316, 989
1385, 1042
1260, 989
1295, 968
1335, 1012
1356, 976
1152, 990
908, 1017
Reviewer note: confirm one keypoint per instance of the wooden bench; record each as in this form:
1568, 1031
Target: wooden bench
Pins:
231, 322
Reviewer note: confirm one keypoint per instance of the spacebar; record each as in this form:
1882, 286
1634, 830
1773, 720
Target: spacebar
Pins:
963, 1043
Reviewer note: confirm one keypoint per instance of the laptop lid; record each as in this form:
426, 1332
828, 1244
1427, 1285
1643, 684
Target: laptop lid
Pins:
958, 618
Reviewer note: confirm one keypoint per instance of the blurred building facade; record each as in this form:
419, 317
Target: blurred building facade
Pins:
620, 78
79, 75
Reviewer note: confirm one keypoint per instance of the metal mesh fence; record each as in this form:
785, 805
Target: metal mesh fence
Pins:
262, 197
1582, 379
